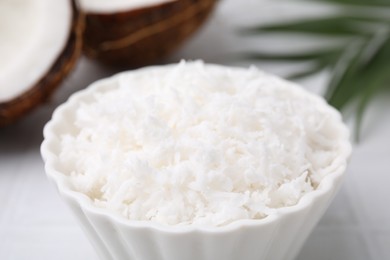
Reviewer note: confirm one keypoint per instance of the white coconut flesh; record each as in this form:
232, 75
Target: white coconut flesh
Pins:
33, 35
114, 6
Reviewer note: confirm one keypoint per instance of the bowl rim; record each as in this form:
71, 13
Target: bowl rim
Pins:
328, 184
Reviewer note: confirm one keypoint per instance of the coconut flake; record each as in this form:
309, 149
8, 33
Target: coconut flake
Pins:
200, 144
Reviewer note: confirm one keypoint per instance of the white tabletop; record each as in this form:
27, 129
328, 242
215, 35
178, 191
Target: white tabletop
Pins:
36, 224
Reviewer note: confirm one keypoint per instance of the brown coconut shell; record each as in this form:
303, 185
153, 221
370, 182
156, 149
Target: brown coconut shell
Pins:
39, 93
143, 36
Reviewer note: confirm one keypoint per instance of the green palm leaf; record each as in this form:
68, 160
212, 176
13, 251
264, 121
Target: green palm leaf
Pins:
329, 26
382, 81
316, 68
360, 72
360, 67
327, 56
321, 58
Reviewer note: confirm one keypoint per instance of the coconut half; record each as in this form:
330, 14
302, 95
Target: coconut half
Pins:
134, 33
40, 43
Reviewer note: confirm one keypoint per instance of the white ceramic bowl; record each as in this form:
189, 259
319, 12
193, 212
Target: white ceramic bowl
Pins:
279, 236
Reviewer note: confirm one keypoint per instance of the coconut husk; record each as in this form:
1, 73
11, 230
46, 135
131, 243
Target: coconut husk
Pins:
143, 36
39, 93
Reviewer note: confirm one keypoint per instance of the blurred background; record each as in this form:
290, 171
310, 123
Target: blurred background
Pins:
339, 49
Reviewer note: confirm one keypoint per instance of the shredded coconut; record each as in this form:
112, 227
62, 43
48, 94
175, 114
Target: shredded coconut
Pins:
200, 144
